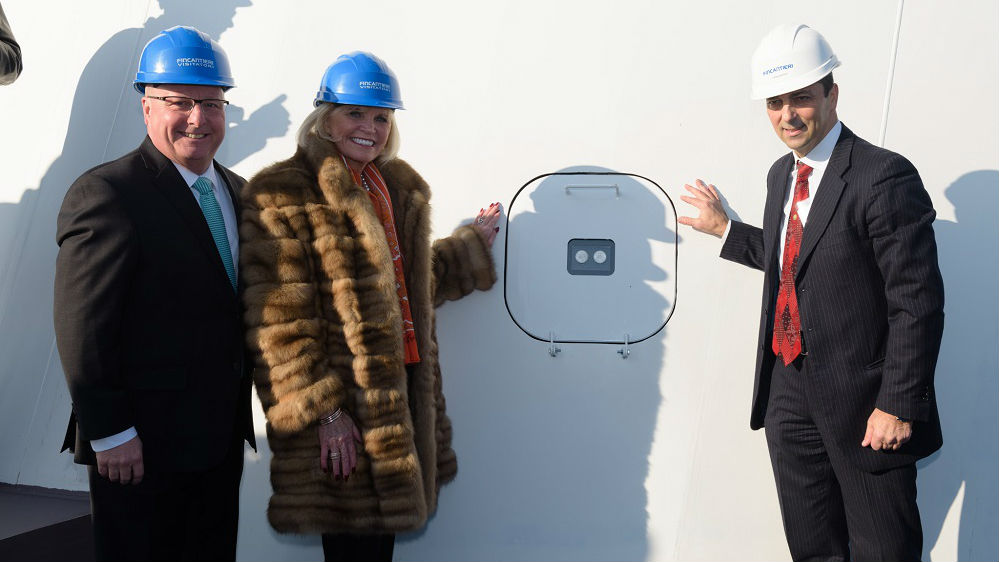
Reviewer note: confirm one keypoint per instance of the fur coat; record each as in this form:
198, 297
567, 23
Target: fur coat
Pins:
325, 328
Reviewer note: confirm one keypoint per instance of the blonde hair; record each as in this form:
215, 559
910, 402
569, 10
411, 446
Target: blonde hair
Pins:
315, 126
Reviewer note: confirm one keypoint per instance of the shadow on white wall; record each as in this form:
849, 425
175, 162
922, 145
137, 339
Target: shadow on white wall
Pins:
105, 123
966, 379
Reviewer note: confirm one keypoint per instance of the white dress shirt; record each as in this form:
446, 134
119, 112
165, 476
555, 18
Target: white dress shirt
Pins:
231, 232
818, 159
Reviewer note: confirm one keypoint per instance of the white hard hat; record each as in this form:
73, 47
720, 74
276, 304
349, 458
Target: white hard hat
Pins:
789, 58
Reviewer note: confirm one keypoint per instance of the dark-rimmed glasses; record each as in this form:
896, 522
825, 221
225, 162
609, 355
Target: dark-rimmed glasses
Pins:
182, 104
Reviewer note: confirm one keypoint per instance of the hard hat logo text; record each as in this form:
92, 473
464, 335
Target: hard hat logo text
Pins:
192, 61
780, 68
369, 85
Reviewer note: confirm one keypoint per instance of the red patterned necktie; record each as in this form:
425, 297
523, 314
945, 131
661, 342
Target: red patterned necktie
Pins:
787, 322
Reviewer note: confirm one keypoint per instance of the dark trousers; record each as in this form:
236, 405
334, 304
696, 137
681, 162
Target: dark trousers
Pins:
831, 509
169, 516
348, 547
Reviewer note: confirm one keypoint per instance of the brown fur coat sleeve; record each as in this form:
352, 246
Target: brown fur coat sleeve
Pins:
463, 262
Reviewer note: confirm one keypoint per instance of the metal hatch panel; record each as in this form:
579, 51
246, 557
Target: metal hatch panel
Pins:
591, 257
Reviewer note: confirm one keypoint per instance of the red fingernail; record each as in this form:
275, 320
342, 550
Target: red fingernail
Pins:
496, 229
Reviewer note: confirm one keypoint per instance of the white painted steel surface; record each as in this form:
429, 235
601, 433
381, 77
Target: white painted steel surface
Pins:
585, 456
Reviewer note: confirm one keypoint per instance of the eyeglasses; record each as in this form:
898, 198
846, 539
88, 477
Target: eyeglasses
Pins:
181, 104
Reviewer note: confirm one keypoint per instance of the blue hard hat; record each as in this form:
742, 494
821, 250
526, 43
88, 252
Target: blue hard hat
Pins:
360, 78
183, 55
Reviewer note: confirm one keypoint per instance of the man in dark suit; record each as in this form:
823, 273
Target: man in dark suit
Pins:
148, 321
852, 315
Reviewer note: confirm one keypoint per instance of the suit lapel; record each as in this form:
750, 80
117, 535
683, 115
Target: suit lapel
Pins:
230, 183
826, 198
172, 186
777, 187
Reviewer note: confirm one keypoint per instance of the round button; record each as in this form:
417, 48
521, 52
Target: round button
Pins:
600, 256
582, 256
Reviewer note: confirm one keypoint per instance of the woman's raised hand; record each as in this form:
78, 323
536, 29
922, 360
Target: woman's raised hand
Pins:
486, 221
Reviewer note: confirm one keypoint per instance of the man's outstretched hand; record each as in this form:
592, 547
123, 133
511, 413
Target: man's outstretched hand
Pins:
712, 218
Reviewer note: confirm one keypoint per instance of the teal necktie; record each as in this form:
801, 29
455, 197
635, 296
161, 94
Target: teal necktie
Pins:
213, 214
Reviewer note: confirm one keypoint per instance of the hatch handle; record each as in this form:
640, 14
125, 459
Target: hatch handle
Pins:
614, 186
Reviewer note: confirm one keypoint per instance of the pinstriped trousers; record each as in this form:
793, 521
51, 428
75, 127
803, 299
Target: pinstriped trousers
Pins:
831, 509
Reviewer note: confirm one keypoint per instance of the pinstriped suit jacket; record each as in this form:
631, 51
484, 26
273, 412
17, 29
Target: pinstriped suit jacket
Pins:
870, 296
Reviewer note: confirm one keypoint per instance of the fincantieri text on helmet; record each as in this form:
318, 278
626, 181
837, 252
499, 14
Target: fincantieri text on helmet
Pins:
369, 85
778, 69
188, 61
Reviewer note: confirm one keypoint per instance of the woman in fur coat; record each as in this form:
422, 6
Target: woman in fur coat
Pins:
340, 284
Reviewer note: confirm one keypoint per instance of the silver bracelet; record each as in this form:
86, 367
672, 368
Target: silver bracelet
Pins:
331, 418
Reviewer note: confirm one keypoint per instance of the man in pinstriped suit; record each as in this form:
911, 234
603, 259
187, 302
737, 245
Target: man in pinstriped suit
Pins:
851, 322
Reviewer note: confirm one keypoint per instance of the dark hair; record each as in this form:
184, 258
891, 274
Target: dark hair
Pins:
827, 84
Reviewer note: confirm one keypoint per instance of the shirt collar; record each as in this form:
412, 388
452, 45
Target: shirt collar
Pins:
819, 156
190, 177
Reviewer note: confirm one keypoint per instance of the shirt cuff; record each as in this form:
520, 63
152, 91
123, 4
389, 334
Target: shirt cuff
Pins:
728, 228
105, 443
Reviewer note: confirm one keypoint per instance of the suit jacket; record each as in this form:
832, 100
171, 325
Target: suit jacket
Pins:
148, 327
870, 297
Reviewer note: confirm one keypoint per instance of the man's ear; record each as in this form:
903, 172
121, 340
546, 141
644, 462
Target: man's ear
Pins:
146, 107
